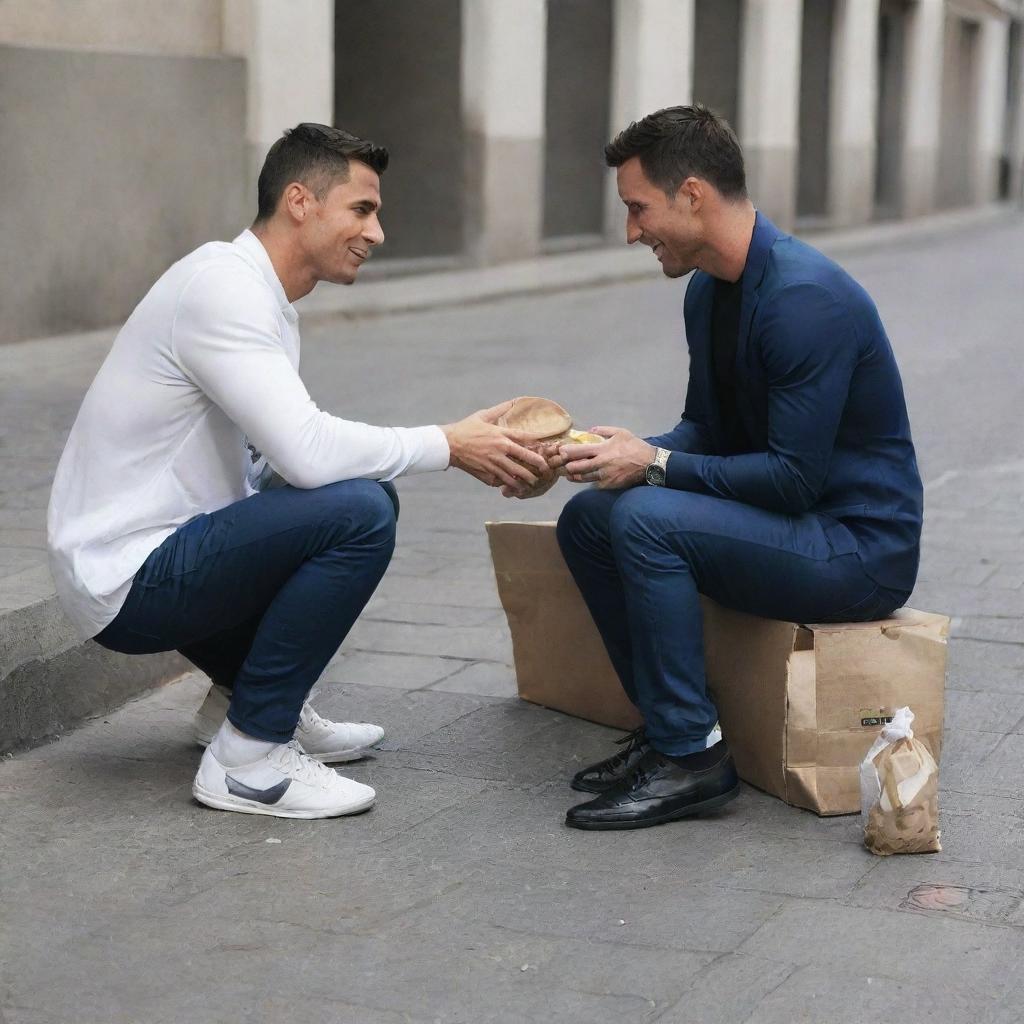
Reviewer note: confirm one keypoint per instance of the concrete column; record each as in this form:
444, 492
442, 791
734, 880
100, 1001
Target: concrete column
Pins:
853, 112
652, 68
289, 51
503, 62
769, 104
994, 49
922, 96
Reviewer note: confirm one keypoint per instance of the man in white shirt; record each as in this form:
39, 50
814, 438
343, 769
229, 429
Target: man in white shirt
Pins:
166, 529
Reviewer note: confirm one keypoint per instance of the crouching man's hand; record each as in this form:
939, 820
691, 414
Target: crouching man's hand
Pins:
493, 454
545, 481
619, 462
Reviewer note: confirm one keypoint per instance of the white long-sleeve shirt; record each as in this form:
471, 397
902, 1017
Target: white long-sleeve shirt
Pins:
198, 395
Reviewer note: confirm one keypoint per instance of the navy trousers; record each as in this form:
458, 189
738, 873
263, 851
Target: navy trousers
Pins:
260, 594
640, 558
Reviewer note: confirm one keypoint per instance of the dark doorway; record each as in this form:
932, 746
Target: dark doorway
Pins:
576, 117
892, 20
815, 100
958, 139
716, 56
1008, 173
397, 80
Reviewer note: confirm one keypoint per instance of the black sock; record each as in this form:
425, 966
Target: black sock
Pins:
701, 760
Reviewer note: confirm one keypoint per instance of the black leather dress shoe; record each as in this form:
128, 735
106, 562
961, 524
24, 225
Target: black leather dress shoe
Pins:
659, 790
599, 777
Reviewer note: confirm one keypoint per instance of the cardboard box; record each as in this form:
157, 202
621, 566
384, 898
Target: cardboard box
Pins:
799, 704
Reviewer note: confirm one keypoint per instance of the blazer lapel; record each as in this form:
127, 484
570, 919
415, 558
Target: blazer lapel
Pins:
700, 353
761, 241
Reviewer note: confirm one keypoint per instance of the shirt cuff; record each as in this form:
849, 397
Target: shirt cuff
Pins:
682, 472
434, 451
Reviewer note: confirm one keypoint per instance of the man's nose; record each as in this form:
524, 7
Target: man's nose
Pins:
373, 232
633, 232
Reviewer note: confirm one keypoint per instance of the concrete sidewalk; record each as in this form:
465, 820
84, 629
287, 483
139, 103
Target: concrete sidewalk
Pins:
461, 896
48, 679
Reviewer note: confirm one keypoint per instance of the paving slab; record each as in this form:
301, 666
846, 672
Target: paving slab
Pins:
946, 955
491, 678
729, 990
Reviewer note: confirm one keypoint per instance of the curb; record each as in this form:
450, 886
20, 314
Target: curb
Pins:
50, 679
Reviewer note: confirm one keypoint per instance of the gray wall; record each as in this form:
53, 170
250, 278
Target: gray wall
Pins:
114, 166
716, 57
398, 82
815, 68
576, 115
185, 27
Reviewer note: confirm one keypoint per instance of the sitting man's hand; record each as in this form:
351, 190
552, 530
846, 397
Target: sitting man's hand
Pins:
493, 454
619, 462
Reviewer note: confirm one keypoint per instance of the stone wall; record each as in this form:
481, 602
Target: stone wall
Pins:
116, 165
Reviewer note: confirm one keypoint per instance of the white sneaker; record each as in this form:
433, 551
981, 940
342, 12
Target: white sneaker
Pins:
335, 741
327, 741
286, 783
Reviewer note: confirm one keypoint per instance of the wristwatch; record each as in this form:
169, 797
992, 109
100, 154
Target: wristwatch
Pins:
656, 470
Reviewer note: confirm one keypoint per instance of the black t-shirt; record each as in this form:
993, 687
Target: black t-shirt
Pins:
725, 330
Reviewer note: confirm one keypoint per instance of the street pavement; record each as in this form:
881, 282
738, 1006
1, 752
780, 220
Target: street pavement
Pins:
461, 897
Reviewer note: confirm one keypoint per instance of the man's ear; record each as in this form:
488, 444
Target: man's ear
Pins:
691, 193
297, 200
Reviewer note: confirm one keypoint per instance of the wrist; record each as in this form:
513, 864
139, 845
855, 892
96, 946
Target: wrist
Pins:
656, 472
448, 429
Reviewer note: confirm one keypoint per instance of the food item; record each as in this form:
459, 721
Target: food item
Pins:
581, 437
537, 418
544, 423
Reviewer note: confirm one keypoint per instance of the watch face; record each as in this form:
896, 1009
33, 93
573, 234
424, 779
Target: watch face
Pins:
655, 476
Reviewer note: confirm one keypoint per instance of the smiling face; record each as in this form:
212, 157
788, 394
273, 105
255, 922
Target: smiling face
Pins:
670, 226
339, 230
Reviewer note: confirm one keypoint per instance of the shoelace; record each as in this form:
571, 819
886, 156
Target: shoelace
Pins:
633, 740
294, 761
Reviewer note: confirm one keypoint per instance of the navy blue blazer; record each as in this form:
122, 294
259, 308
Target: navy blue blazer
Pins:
819, 395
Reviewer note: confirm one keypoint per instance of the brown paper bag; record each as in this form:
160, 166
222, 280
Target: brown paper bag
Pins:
799, 704
560, 658
900, 792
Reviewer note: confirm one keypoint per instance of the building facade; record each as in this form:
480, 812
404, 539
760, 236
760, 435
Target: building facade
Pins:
133, 129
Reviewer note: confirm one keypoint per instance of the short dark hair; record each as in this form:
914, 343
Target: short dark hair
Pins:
679, 142
315, 155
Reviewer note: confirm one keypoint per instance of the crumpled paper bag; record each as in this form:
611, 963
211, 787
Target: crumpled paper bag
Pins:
899, 787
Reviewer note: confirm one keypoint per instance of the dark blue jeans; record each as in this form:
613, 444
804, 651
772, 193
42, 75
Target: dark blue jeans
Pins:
260, 594
640, 558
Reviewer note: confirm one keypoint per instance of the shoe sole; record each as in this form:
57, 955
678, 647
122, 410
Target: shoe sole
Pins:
234, 803
684, 812
344, 756
335, 757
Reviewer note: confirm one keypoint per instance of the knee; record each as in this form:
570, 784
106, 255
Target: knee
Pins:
365, 506
644, 516
376, 506
389, 489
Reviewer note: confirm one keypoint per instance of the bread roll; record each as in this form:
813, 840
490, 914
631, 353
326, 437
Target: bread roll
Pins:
537, 418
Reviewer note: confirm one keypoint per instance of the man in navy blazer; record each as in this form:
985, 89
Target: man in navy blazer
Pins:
789, 489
